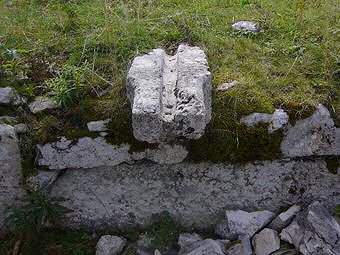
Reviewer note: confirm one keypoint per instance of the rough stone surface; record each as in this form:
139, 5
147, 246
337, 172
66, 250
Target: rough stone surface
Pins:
42, 103
314, 232
8, 96
205, 247
10, 170
277, 120
226, 86
21, 128
283, 219
98, 126
195, 194
246, 26
170, 95
43, 178
266, 242
110, 245
242, 248
185, 240
89, 152
316, 135
238, 223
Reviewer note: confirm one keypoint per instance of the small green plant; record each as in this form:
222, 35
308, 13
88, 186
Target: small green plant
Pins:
37, 211
68, 87
337, 210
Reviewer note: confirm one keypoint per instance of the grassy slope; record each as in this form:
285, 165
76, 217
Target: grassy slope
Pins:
292, 64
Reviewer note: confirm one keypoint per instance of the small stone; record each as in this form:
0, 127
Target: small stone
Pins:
42, 103
167, 154
256, 118
246, 26
278, 121
266, 242
239, 222
205, 247
185, 240
98, 126
8, 96
110, 245
21, 128
241, 248
226, 86
293, 234
43, 178
170, 95
283, 219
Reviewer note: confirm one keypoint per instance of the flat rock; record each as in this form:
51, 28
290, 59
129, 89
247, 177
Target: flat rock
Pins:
266, 242
110, 245
10, 171
238, 223
98, 126
246, 26
42, 103
313, 136
284, 218
195, 194
170, 95
9, 96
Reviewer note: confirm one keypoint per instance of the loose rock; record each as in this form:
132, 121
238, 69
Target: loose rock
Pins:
98, 126
239, 222
170, 95
226, 86
8, 96
110, 245
283, 219
241, 248
42, 103
246, 26
266, 242
205, 247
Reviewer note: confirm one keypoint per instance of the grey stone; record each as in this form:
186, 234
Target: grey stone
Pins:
43, 178
284, 218
313, 136
205, 247
238, 222
266, 242
98, 126
195, 194
21, 128
8, 96
10, 171
226, 86
315, 232
170, 95
42, 103
278, 120
167, 154
85, 153
110, 245
246, 26
241, 248
185, 240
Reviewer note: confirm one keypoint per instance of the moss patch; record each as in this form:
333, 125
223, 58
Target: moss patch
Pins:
333, 164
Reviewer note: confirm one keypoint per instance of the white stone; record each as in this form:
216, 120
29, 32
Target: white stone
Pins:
266, 242
256, 118
284, 218
98, 126
246, 26
42, 103
293, 234
10, 171
8, 96
110, 245
85, 153
205, 247
170, 95
278, 121
238, 222
226, 86
313, 136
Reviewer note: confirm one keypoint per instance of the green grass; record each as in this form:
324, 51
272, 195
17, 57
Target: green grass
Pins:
293, 63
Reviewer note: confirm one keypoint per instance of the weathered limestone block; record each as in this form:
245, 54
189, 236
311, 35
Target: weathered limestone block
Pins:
266, 242
110, 245
247, 26
195, 194
10, 170
313, 136
170, 95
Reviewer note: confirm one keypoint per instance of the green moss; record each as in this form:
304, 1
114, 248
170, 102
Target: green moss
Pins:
79, 132
7, 111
